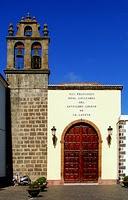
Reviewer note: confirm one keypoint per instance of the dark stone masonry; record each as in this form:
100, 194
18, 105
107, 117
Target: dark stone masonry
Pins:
29, 128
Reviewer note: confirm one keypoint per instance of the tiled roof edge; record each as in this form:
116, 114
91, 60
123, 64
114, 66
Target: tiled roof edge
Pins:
85, 87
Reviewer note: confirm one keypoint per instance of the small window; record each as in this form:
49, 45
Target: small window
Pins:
19, 55
28, 31
36, 54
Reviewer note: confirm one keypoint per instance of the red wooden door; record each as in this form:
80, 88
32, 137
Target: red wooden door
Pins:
81, 154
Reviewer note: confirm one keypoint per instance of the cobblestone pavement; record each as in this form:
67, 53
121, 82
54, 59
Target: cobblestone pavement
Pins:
68, 192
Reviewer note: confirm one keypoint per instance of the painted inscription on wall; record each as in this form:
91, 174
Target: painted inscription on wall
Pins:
81, 104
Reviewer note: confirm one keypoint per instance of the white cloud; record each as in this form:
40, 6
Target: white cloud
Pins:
72, 77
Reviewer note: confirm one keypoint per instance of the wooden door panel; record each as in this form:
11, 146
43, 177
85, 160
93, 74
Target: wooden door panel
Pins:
81, 154
71, 166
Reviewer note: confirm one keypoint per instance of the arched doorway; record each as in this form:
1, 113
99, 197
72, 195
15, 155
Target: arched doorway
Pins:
81, 153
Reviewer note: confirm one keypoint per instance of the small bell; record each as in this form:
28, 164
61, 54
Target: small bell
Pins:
35, 52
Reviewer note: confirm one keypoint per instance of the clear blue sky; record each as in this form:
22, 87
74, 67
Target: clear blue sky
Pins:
89, 38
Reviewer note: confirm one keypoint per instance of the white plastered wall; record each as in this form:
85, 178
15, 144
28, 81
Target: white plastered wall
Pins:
101, 107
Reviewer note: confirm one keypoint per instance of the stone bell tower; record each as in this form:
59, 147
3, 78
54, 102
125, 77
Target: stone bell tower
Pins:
27, 73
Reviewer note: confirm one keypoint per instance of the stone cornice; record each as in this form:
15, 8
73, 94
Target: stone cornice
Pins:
29, 71
27, 38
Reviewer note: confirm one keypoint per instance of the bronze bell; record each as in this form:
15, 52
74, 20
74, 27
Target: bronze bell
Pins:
35, 52
36, 62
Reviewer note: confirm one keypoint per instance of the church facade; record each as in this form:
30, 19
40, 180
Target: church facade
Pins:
85, 117
69, 132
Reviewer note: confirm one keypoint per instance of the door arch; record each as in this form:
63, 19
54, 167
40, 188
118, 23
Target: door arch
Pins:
81, 152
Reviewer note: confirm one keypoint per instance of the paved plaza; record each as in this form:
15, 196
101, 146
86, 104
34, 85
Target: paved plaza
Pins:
68, 192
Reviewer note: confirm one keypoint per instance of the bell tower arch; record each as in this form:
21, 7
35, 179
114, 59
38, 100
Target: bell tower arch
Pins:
27, 73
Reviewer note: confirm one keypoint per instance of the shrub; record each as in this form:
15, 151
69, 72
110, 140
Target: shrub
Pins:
125, 181
125, 178
42, 180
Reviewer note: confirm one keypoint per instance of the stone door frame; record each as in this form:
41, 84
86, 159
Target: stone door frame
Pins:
99, 148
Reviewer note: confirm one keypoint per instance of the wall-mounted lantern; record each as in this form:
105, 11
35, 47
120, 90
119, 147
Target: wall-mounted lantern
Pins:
54, 138
109, 137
